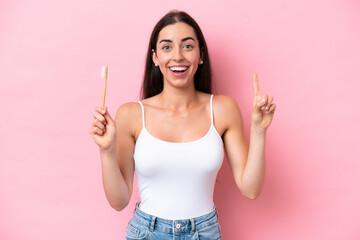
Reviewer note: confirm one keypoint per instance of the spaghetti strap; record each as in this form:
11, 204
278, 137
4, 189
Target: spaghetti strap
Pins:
143, 113
211, 110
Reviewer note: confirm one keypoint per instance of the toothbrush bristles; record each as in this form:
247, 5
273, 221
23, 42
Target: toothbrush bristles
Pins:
103, 71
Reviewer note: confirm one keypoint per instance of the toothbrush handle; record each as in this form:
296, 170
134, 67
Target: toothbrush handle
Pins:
104, 91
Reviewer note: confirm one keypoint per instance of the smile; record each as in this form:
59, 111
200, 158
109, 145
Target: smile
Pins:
178, 69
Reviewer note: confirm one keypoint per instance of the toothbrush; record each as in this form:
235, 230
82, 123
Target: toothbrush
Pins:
104, 72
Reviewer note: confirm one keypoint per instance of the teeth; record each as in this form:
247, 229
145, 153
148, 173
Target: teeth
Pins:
178, 68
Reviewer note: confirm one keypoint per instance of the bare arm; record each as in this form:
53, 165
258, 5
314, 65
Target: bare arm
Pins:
248, 164
116, 146
254, 173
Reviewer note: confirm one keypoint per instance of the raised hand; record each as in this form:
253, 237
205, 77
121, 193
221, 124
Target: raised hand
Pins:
263, 108
103, 129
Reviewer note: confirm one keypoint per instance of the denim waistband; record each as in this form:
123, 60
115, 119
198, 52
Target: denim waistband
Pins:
183, 225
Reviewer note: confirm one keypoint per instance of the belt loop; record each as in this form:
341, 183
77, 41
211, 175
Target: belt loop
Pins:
192, 226
152, 225
136, 206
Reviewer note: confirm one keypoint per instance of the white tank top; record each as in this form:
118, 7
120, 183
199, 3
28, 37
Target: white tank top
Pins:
176, 180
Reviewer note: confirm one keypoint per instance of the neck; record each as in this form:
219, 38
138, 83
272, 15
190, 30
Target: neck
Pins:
178, 99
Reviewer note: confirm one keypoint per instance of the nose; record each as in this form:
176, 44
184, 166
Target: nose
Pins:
178, 54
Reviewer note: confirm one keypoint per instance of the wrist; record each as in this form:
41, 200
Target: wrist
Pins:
107, 152
257, 130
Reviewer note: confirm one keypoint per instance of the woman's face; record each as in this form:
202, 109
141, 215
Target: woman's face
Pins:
177, 54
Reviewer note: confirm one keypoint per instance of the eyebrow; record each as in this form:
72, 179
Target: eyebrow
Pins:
182, 40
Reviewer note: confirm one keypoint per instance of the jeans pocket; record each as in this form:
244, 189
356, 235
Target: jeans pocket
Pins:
211, 232
136, 231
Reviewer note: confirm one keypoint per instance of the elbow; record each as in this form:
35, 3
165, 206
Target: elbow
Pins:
249, 192
119, 206
252, 196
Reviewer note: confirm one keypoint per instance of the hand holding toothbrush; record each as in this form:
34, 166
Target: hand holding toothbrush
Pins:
103, 129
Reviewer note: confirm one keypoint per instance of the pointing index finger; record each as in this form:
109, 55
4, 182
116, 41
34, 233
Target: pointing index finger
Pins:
256, 85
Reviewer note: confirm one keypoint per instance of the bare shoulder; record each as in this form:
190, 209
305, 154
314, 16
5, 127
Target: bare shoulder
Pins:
128, 110
128, 116
225, 105
226, 113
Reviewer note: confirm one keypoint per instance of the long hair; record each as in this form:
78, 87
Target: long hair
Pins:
153, 78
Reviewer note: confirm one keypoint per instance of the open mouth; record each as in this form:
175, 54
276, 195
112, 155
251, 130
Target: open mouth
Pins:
178, 69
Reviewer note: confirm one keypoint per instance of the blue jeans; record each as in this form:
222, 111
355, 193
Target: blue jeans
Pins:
146, 226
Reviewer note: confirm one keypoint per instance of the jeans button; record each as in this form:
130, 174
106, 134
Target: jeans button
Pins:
178, 226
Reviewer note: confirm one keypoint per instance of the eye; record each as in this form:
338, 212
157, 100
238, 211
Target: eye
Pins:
165, 47
188, 46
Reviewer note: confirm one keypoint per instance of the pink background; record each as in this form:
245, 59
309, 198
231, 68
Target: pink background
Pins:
305, 52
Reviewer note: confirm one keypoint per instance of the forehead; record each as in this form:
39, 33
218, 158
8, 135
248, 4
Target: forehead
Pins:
176, 31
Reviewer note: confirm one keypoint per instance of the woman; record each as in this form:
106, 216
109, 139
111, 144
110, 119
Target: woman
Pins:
174, 139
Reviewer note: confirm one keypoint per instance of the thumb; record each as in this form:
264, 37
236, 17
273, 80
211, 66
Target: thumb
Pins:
108, 117
257, 100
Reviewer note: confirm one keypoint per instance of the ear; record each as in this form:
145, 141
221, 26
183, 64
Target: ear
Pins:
154, 57
201, 60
